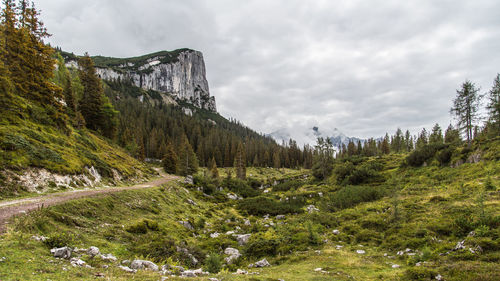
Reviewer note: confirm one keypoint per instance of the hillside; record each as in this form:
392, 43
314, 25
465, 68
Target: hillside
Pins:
402, 223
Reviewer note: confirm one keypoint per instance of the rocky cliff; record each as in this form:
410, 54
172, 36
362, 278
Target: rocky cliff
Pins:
180, 73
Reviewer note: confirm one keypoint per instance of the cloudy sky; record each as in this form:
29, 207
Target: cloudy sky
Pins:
365, 67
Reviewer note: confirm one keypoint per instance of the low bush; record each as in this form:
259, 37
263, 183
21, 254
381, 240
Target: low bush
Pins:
213, 263
240, 187
350, 196
59, 240
259, 206
420, 273
258, 246
287, 185
143, 226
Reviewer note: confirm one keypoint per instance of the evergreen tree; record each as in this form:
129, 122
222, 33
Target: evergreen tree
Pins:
466, 107
169, 161
276, 159
323, 162
408, 141
240, 162
214, 172
384, 145
436, 136
422, 139
452, 136
92, 100
188, 163
397, 141
494, 106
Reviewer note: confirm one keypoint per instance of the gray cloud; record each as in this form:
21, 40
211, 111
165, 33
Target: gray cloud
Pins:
365, 67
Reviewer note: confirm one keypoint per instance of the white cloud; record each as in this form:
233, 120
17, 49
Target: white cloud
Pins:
366, 67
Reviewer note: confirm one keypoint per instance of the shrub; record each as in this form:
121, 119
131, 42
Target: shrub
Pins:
213, 263
143, 226
259, 206
425, 153
444, 156
59, 240
239, 187
285, 186
156, 246
349, 196
258, 246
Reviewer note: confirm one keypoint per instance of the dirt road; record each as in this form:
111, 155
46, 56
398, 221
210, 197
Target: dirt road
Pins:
8, 209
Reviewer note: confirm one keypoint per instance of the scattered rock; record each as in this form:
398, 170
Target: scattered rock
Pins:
439, 277
64, 252
214, 235
108, 257
336, 231
460, 245
395, 266
319, 269
125, 261
243, 239
178, 268
361, 252
192, 202
188, 273
189, 180
78, 262
213, 279
400, 253
39, 238
93, 251
232, 196
127, 269
311, 209
262, 263
187, 225
247, 222
280, 217
186, 252
233, 254
142, 264
241, 271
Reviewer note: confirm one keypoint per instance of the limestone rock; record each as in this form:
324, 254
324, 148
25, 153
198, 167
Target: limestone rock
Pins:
127, 269
262, 263
64, 252
243, 238
142, 264
183, 77
93, 251
233, 254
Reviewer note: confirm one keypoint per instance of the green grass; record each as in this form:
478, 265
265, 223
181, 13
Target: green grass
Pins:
427, 209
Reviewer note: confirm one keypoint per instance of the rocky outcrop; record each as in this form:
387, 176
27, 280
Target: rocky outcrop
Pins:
183, 77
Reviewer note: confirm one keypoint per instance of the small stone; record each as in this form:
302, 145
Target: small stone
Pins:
262, 263
243, 239
93, 251
241, 271
192, 202
439, 277
319, 269
361, 252
280, 217
127, 269
395, 266
214, 235
63, 252
108, 257
189, 180
142, 264
336, 231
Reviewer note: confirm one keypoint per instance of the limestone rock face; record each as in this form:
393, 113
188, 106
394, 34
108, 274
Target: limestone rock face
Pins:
184, 77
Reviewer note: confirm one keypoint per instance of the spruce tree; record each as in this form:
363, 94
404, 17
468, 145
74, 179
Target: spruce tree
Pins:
169, 161
91, 104
436, 136
452, 136
188, 163
494, 106
214, 172
240, 162
466, 107
323, 161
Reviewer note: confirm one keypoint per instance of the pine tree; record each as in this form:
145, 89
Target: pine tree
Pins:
240, 162
408, 141
452, 136
92, 100
276, 159
169, 161
436, 136
494, 106
188, 163
384, 145
466, 107
214, 172
422, 139
323, 160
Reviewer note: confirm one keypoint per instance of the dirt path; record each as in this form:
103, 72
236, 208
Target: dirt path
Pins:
8, 209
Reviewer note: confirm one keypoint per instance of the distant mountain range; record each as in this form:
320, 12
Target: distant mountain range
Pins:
309, 135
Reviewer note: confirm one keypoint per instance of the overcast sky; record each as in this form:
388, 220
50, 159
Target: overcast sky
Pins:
365, 67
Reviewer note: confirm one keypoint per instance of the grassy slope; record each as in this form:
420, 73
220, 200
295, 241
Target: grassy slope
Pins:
25, 143
429, 201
